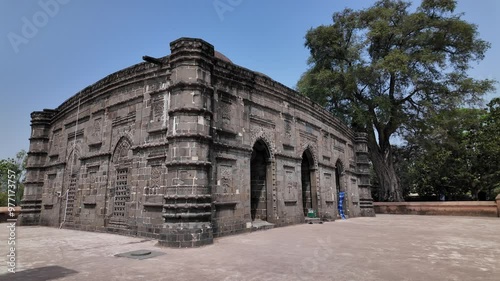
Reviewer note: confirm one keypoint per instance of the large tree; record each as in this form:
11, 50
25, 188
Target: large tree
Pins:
383, 68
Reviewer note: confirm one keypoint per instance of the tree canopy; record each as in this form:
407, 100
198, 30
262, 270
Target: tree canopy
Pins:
18, 166
456, 153
386, 68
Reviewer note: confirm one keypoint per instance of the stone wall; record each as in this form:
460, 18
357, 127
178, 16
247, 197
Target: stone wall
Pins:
189, 147
456, 208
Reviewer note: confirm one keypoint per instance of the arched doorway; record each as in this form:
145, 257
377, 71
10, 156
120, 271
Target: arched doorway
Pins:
258, 181
309, 193
338, 174
120, 192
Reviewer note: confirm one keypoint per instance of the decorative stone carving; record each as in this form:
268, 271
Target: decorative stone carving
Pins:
226, 178
56, 142
313, 148
291, 192
158, 108
122, 195
96, 128
288, 129
263, 134
156, 176
92, 176
225, 110
121, 151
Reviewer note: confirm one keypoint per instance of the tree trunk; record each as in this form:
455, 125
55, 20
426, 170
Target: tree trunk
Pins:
383, 164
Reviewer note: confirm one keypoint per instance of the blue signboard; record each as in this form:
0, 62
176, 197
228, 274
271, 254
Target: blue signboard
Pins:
341, 208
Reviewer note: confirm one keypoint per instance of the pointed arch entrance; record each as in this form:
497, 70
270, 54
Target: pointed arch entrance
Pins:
339, 186
339, 171
120, 191
308, 176
260, 163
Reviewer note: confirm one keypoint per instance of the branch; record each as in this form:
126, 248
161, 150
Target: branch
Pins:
392, 85
409, 97
376, 123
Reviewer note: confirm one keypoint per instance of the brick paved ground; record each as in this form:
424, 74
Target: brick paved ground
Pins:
388, 247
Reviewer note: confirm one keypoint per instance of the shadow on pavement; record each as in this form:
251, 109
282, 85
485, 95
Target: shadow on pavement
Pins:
38, 274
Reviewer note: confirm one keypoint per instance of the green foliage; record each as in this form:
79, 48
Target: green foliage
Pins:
386, 68
495, 192
3, 199
455, 153
18, 166
487, 141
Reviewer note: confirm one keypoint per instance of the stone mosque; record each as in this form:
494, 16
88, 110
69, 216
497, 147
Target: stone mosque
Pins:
189, 147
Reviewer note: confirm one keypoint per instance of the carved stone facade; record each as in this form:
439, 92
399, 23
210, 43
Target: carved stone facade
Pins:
189, 148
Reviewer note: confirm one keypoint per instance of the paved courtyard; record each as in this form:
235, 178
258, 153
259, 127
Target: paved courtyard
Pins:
388, 247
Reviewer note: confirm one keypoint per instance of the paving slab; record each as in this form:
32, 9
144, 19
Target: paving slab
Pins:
387, 247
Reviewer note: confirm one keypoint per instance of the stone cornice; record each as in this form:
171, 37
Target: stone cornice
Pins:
234, 147
44, 138
188, 163
172, 111
287, 156
97, 155
55, 164
150, 145
190, 136
130, 75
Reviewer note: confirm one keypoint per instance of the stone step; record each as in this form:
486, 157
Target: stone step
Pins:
314, 220
261, 225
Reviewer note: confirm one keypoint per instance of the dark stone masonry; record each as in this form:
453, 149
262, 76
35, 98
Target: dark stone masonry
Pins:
189, 147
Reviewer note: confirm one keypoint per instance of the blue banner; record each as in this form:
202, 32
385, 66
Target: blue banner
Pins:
341, 207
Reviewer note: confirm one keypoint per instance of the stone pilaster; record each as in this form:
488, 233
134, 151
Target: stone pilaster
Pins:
363, 171
187, 207
31, 203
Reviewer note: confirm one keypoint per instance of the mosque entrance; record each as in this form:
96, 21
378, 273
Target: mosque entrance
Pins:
309, 193
258, 181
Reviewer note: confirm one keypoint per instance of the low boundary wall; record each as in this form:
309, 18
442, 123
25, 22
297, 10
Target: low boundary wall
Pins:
4, 213
455, 208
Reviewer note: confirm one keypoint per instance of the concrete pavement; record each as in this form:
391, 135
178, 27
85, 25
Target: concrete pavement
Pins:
387, 247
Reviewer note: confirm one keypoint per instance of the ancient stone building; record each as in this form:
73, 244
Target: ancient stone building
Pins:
189, 147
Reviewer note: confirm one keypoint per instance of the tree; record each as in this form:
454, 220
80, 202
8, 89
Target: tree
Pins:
447, 159
455, 153
18, 166
487, 140
384, 68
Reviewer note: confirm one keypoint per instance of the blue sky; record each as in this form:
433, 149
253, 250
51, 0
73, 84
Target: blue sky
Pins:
75, 43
